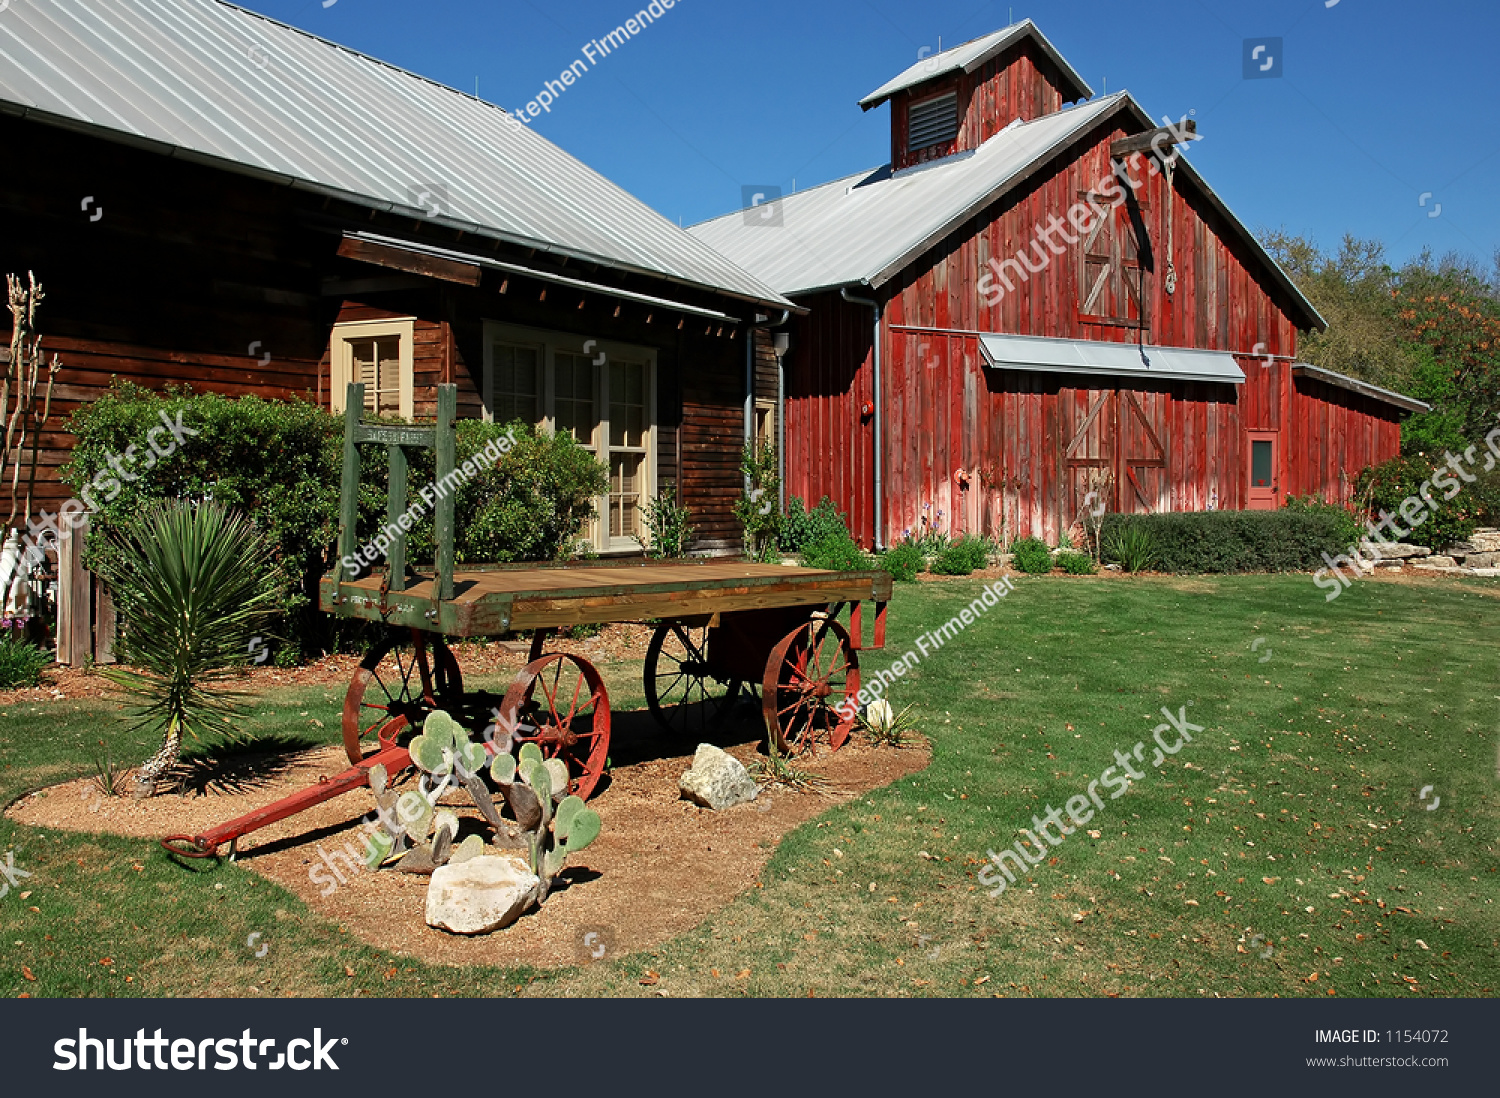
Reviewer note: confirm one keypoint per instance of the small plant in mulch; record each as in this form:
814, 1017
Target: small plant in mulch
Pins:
884, 727
109, 775
777, 769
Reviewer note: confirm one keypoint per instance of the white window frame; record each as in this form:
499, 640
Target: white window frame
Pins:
555, 343
341, 356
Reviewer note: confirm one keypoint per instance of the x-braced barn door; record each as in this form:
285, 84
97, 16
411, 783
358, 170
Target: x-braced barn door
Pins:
1116, 455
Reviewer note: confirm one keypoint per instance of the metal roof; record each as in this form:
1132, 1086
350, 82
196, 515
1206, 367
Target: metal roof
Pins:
208, 81
1364, 388
867, 227
1077, 356
974, 55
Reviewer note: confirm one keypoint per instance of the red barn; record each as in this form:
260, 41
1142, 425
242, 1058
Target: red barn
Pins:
1036, 300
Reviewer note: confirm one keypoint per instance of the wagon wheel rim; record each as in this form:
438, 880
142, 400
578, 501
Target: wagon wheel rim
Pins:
559, 703
682, 693
810, 676
400, 681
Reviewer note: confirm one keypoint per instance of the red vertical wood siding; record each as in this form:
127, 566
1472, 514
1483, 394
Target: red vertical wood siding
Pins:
1020, 83
997, 452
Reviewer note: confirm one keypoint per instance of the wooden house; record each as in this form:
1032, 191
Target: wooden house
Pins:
1037, 308
214, 198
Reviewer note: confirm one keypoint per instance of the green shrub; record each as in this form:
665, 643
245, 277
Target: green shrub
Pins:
1032, 556
528, 507
801, 527
962, 557
1349, 528
836, 553
21, 663
903, 562
1224, 541
1077, 564
759, 506
1386, 487
669, 529
279, 463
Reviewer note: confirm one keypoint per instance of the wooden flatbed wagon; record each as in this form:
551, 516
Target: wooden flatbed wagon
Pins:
724, 630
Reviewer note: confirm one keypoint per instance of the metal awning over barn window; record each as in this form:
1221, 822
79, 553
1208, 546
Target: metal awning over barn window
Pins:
1078, 356
932, 122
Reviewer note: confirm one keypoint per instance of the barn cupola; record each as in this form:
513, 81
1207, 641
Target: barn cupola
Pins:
956, 100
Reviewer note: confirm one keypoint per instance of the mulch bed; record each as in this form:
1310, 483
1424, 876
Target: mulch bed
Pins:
661, 866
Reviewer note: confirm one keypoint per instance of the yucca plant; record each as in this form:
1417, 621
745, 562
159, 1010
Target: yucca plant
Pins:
1133, 547
193, 583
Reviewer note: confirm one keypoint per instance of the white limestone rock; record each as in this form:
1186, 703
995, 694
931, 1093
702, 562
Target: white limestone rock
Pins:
1394, 550
481, 895
717, 780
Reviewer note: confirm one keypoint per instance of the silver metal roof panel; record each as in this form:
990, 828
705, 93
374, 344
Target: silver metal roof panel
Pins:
974, 55
1107, 360
865, 228
213, 82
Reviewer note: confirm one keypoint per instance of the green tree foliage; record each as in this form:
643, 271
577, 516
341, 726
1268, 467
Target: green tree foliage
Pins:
1430, 329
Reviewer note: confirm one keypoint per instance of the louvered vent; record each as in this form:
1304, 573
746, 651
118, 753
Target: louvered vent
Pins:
932, 122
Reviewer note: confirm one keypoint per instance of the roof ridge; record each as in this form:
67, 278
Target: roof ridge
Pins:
360, 54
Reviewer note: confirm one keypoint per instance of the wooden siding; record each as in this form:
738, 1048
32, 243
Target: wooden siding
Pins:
1008, 453
1021, 82
189, 266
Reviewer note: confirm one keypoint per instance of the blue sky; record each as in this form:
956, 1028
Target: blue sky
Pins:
1382, 106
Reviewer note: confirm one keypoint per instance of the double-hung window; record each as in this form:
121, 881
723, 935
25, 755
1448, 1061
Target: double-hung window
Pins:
602, 394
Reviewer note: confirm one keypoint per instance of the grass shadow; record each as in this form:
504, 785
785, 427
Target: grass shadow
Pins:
239, 767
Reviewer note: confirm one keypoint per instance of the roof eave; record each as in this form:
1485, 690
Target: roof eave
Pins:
179, 152
1025, 29
1363, 388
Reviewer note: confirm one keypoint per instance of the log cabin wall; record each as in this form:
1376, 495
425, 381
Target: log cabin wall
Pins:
182, 272
192, 275
1008, 453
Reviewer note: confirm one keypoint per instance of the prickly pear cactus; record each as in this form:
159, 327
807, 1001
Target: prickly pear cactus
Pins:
444, 747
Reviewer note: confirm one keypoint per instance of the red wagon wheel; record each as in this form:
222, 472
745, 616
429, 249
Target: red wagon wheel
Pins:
681, 692
811, 675
559, 703
400, 681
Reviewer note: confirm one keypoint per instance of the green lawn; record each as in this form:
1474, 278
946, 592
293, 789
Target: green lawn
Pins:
1286, 840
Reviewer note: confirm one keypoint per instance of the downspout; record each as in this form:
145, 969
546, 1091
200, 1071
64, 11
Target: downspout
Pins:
879, 417
782, 342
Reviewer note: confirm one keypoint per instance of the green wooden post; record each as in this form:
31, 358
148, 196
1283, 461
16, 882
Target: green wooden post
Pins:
395, 507
447, 458
349, 489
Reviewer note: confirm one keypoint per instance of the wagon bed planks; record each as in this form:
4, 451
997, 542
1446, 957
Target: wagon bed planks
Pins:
488, 602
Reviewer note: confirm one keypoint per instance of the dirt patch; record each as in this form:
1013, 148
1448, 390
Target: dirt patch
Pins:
661, 866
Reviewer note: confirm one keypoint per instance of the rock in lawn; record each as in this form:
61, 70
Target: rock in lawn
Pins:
717, 780
481, 895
